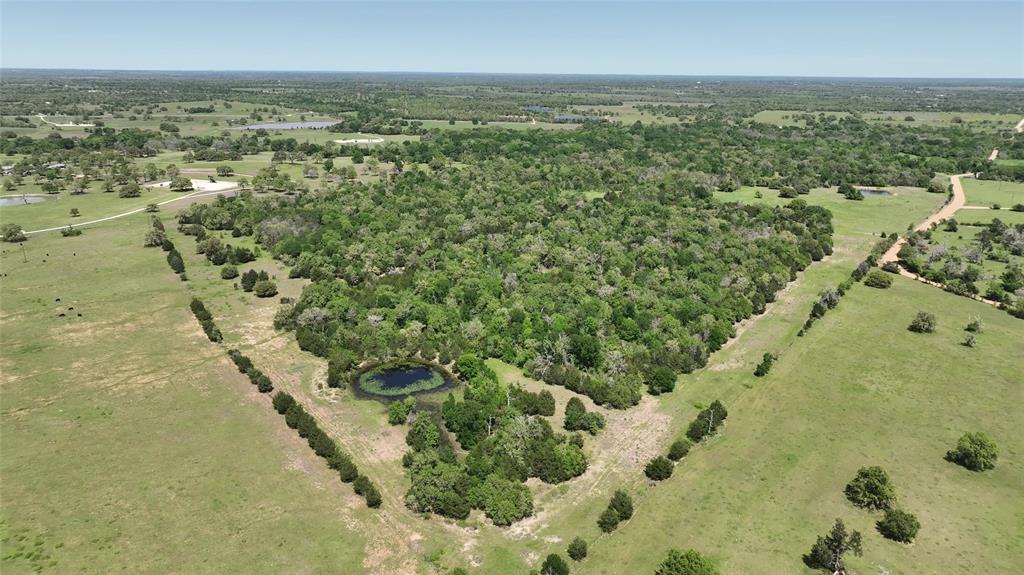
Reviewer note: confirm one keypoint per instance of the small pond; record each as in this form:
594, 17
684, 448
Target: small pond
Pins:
20, 200
396, 380
288, 125
868, 192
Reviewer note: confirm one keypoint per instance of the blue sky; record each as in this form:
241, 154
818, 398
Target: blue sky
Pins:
811, 38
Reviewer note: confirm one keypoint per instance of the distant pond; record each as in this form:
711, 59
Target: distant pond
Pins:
395, 380
20, 200
289, 126
870, 192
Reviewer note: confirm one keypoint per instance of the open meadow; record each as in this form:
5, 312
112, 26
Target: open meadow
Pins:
130, 443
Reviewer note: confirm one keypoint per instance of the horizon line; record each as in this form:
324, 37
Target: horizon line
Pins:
477, 73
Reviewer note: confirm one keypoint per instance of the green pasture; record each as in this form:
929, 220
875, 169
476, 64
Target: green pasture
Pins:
130, 442
990, 192
55, 210
859, 389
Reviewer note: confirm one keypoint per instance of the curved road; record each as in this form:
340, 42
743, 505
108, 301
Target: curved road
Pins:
944, 213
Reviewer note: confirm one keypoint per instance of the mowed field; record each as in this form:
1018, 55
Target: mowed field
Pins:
172, 446
130, 444
993, 192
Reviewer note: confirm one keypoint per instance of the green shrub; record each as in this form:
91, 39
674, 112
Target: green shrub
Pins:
608, 520
398, 411
923, 322
283, 402
661, 380
878, 279
264, 288
361, 485
578, 419
347, 471
899, 526
679, 449
554, 565
577, 550
686, 563
767, 361
871, 489
659, 468
373, 497
975, 451
707, 421
622, 503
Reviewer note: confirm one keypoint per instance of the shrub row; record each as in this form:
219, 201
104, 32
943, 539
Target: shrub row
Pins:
302, 422
707, 421
829, 298
157, 237
205, 320
256, 377
767, 361
620, 508
660, 468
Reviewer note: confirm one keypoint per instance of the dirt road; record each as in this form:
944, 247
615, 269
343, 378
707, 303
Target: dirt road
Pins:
944, 213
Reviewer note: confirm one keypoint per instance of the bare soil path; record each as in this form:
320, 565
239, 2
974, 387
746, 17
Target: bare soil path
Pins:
945, 212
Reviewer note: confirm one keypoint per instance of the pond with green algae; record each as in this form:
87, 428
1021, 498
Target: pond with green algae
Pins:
399, 379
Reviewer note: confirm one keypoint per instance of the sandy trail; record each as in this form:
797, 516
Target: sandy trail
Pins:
1020, 125
994, 154
944, 213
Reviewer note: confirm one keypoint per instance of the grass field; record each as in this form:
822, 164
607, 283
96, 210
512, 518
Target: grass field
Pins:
990, 192
56, 209
975, 120
858, 390
130, 443
754, 498
986, 216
